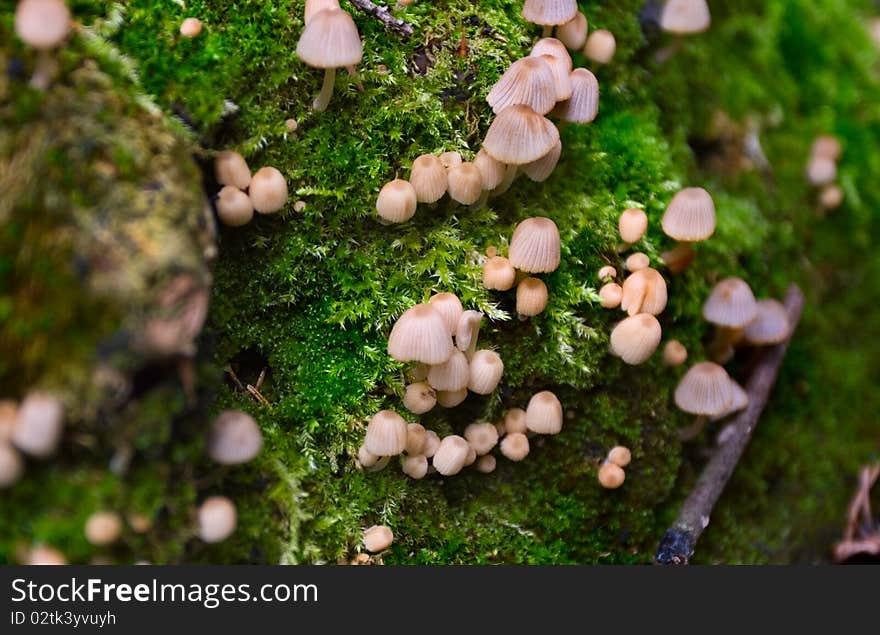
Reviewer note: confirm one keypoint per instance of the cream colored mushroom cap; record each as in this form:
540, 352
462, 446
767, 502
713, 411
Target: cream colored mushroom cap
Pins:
465, 183
561, 75
451, 375
378, 538
234, 207
690, 215
103, 528
486, 370
632, 224
397, 201
519, 135
386, 434
544, 413
770, 326
38, 424
42, 24
515, 421
315, 6
482, 437
574, 32
268, 190
731, 304
234, 438
230, 168
330, 40
706, 389
583, 105
490, 169
450, 457
551, 46
529, 81
515, 446
601, 46
449, 307
420, 335
635, 338
611, 476
683, 17
531, 297
428, 178
498, 273
549, 12
419, 398
644, 291
535, 246
217, 518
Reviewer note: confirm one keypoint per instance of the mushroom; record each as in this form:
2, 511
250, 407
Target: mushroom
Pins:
42, 24
535, 246
450, 457
732, 307
826, 146
611, 476
637, 262
551, 46
619, 455
330, 40
397, 201
519, 135
11, 465
831, 197
451, 375
583, 105
8, 413
740, 401
234, 207
498, 274
428, 179
419, 398
540, 170
315, 6
821, 170
449, 307
139, 523
415, 466
486, 464
684, 17
467, 332
574, 32
420, 335
491, 170
690, 216
561, 69
38, 425
432, 442
635, 338
633, 223
268, 190
465, 183
451, 159
44, 555
544, 413
610, 295
191, 27
644, 291
366, 458
386, 434
230, 168
528, 81
674, 353
515, 421
531, 297
217, 519
378, 538
678, 258
451, 398
549, 13
482, 437
705, 390
486, 369
607, 273
515, 446
770, 326
103, 528
415, 439
601, 46
234, 438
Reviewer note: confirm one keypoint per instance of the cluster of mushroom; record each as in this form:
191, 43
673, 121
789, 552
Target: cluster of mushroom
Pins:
534, 248
571, 28
822, 170
265, 192
32, 428
611, 473
43, 25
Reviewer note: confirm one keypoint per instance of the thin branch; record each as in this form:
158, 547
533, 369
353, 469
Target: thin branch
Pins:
677, 544
402, 28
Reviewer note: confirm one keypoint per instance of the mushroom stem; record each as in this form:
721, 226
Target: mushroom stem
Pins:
678, 258
721, 349
666, 53
692, 431
509, 176
548, 30
323, 98
481, 202
44, 71
353, 73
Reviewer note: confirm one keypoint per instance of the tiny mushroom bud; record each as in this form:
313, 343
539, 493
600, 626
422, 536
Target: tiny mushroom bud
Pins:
544, 413
44, 555
234, 207
690, 215
329, 41
420, 335
465, 183
451, 159
706, 389
378, 538
191, 27
451, 398
515, 446
498, 273
486, 464
486, 369
831, 196
103, 528
415, 439
268, 190
428, 178
397, 201
386, 434
234, 438
637, 262
449, 307
607, 273
633, 224
38, 425
515, 421
611, 476
11, 465
366, 458
770, 325
531, 297
636, 338
139, 523
451, 375
644, 291
684, 17
601, 46
549, 13
299, 206
419, 398
432, 442
482, 437
535, 245
217, 519
415, 466
491, 170
619, 455
610, 295
674, 353
42, 24
527, 81
540, 170
230, 168
451, 456
821, 170
574, 32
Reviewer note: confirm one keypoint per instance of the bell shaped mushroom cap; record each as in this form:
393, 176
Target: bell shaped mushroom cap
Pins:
217, 519
268, 190
740, 401
644, 291
637, 262
386, 434
731, 304
519, 135
528, 81
486, 369
482, 437
451, 398
635, 338
601, 46
821, 170
607, 273
491, 170
366, 458
103, 528
314, 6
690, 215
683, 17
449, 307
234, 207
432, 442
415, 466
549, 12
397, 201
230, 168
415, 439
191, 27
583, 105
515, 421
486, 464
465, 183
234, 438
378, 538
770, 325
611, 476
674, 353
468, 330
330, 40
706, 389
610, 295
453, 374
561, 75
451, 456
632, 224
551, 46
515, 446
541, 169
419, 398
574, 32
428, 178
38, 424
498, 274
535, 246
619, 455
451, 159
531, 297
42, 24
826, 146
544, 413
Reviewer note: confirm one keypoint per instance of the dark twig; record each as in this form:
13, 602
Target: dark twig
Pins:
382, 14
677, 545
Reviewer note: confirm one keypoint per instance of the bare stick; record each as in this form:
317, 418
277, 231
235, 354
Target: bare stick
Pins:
382, 14
677, 544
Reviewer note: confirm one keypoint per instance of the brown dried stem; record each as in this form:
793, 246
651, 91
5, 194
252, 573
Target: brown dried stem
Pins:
401, 27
